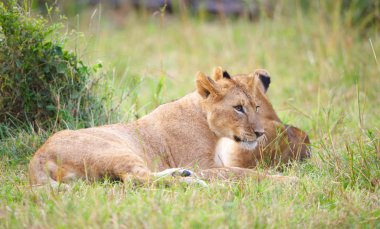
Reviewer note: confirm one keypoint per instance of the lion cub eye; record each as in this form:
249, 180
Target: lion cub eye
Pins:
257, 108
239, 108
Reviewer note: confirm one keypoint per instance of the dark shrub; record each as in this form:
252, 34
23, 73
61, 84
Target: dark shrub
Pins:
41, 83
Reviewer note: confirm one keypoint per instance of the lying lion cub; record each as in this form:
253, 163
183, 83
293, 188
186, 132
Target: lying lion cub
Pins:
280, 143
177, 134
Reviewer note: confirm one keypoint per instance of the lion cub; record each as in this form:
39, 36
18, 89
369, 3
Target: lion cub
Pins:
177, 134
280, 143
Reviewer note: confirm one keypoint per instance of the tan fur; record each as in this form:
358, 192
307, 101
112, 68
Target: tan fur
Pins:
182, 133
281, 143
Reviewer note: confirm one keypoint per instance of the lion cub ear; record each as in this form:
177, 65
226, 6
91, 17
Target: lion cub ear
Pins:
206, 86
218, 74
263, 79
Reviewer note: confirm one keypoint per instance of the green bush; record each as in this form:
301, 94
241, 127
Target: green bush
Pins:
41, 83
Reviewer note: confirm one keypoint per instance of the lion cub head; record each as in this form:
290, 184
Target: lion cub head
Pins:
231, 110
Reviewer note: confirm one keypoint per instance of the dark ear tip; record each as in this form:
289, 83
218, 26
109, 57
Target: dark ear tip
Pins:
226, 75
265, 79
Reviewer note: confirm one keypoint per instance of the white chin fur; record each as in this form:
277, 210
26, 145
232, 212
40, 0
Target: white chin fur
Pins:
248, 145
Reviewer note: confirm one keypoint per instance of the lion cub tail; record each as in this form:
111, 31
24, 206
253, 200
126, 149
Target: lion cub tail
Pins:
39, 171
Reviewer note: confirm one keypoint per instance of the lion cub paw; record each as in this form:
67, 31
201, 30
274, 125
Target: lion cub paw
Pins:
185, 176
175, 172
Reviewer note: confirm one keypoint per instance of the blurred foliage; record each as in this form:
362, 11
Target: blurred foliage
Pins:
361, 13
365, 13
42, 84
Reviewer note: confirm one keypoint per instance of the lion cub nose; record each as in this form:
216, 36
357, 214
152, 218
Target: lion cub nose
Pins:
259, 133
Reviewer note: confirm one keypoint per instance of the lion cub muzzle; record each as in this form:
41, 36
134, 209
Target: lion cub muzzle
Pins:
249, 142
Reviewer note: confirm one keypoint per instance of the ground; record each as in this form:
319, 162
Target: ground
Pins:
325, 80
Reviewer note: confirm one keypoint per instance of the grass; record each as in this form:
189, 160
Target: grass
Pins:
325, 80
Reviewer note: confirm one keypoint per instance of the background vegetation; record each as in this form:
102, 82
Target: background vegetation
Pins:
42, 84
325, 80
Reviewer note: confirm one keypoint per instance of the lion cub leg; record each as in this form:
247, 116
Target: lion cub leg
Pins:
166, 177
130, 168
127, 167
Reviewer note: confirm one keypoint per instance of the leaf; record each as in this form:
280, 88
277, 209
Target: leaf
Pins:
58, 50
61, 68
46, 68
51, 107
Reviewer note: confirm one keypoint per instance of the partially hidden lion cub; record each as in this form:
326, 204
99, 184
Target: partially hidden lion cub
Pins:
177, 134
280, 143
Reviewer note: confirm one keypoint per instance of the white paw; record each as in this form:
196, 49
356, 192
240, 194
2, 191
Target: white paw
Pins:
174, 172
186, 176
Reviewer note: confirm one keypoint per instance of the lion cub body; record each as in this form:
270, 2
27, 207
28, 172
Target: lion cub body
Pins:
183, 133
176, 134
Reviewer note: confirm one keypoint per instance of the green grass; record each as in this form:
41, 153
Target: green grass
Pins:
325, 80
